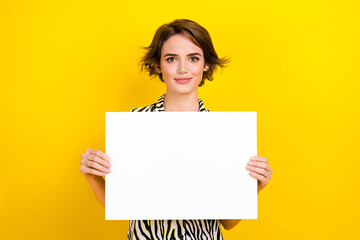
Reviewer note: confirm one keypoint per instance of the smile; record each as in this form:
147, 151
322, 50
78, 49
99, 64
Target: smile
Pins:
182, 80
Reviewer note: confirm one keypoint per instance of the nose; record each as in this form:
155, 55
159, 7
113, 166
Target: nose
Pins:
182, 67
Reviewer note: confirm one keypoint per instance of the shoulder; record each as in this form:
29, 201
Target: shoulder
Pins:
157, 106
202, 108
148, 108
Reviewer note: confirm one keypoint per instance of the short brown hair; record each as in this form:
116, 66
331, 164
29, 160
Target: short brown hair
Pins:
197, 34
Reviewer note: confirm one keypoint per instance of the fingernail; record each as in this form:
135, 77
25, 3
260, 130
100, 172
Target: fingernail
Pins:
253, 158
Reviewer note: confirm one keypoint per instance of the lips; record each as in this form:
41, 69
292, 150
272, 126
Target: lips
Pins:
182, 80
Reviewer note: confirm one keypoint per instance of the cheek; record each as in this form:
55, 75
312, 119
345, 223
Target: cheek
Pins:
168, 69
197, 69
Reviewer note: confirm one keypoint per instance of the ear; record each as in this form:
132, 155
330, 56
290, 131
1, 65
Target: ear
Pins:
206, 67
157, 68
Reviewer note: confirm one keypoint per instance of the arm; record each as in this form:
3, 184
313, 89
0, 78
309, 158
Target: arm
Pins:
98, 186
259, 168
94, 165
229, 223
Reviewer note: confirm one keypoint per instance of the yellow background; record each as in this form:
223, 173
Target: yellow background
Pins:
63, 64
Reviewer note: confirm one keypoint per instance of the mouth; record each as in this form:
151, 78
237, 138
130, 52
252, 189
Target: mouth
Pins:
182, 80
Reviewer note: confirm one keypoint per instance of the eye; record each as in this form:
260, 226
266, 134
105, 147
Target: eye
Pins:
194, 59
170, 59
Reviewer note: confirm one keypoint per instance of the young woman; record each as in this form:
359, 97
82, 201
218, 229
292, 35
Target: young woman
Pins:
183, 57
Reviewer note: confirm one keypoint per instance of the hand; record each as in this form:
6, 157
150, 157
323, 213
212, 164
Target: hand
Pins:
259, 168
94, 163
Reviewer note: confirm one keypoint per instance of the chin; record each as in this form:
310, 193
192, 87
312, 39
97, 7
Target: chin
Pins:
183, 89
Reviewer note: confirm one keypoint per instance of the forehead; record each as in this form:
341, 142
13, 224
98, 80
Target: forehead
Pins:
180, 44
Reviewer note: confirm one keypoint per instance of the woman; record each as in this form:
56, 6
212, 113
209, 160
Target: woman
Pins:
183, 57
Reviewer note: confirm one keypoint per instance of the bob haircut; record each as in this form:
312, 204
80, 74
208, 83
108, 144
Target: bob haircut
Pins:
196, 33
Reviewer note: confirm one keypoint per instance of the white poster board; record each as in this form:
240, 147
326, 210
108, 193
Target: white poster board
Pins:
180, 165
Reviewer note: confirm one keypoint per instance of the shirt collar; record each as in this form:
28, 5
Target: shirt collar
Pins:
159, 105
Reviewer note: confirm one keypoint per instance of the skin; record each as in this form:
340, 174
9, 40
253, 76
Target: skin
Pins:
180, 58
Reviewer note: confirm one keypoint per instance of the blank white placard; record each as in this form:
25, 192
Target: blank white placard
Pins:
180, 165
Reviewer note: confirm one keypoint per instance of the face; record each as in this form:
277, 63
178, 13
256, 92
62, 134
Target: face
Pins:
182, 64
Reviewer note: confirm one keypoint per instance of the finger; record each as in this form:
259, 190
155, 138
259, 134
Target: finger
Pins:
263, 165
259, 177
97, 166
92, 171
259, 159
97, 159
98, 153
260, 171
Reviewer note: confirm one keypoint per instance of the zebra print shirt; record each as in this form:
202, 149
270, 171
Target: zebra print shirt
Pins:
159, 106
173, 229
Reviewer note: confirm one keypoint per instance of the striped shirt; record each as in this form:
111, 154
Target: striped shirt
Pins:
173, 229
158, 106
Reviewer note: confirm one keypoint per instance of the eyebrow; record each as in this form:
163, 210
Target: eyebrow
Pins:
191, 54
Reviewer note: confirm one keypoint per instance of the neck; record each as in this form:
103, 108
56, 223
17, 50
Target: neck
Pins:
179, 102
